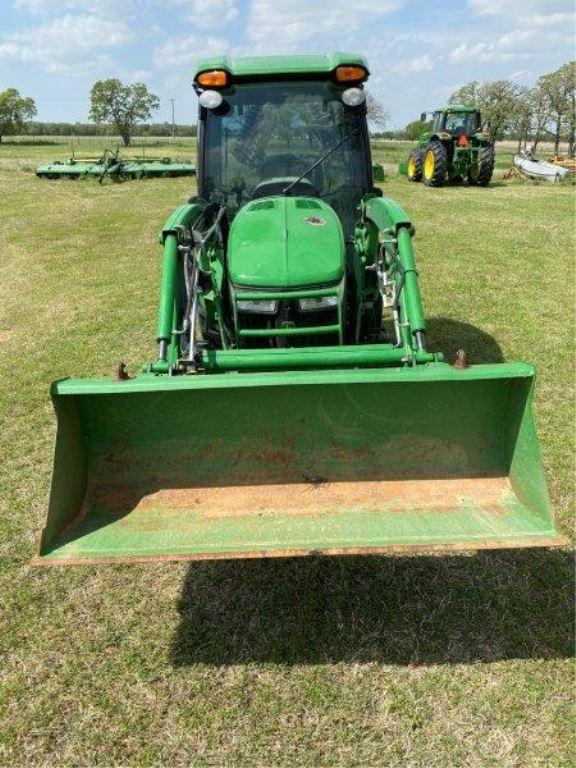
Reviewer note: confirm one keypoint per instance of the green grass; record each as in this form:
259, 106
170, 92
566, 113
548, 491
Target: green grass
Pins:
420, 661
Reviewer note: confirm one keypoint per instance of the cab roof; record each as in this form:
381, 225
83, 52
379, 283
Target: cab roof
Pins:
458, 108
262, 66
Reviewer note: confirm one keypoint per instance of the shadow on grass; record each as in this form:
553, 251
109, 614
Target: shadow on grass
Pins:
448, 336
395, 610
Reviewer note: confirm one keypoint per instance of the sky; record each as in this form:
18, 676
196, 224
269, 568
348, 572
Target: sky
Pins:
418, 51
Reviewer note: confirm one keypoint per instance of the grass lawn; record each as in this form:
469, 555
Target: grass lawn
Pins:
464, 660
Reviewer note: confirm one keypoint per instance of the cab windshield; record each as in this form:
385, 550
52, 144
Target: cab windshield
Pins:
460, 123
266, 135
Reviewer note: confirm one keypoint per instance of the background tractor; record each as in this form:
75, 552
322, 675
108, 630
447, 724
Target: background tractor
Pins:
456, 147
294, 406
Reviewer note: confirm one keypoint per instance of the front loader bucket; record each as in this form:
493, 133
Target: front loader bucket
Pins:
293, 463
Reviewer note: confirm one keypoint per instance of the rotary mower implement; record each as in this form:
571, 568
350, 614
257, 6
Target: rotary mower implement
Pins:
112, 166
294, 406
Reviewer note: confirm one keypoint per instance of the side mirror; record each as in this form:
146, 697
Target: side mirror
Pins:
423, 117
378, 172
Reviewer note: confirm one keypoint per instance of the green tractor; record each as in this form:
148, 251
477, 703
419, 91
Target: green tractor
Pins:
456, 147
294, 406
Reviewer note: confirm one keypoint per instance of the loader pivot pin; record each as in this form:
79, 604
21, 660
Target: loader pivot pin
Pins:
461, 361
121, 372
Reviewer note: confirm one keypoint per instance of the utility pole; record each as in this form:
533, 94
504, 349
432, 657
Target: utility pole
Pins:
173, 123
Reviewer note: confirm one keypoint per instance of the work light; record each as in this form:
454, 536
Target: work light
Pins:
322, 302
261, 307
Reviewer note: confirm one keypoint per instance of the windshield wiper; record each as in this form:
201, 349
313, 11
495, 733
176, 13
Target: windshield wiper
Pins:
317, 163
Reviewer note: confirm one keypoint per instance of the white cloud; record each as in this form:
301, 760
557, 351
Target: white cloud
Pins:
67, 44
522, 74
47, 7
519, 9
413, 64
140, 76
551, 19
520, 44
282, 24
479, 52
179, 51
211, 13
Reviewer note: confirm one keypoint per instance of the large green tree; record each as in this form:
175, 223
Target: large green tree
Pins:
496, 99
14, 111
415, 129
559, 88
123, 106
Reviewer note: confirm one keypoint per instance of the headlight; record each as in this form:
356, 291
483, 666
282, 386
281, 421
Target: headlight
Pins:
353, 97
261, 307
322, 302
210, 99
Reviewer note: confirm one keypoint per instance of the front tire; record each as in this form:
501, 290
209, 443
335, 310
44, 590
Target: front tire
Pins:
481, 174
414, 172
435, 164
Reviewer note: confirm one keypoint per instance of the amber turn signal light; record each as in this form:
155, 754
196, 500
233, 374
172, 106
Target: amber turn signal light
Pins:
349, 74
216, 78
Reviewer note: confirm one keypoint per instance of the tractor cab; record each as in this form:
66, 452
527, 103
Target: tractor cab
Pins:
457, 121
299, 136
286, 158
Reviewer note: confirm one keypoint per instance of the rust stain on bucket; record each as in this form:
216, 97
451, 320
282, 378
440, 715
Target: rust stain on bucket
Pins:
324, 498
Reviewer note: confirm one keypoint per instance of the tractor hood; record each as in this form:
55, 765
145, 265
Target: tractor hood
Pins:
286, 242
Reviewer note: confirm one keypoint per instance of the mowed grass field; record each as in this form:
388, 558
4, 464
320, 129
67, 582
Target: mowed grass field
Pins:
463, 660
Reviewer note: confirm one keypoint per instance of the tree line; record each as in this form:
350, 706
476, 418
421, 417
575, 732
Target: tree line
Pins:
528, 115
38, 128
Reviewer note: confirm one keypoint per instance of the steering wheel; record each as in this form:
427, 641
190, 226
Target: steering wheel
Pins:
276, 186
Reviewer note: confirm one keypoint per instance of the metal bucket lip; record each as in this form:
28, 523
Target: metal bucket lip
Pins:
436, 372
537, 542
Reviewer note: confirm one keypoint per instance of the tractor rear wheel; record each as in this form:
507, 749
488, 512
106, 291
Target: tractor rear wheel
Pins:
414, 172
482, 173
435, 164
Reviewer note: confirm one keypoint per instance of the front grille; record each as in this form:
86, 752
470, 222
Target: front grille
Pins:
289, 312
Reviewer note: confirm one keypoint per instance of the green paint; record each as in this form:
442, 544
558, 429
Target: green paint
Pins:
269, 66
116, 168
424, 425
286, 245
314, 330
168, 289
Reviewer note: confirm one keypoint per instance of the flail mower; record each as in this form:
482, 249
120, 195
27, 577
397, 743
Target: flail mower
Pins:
294, 406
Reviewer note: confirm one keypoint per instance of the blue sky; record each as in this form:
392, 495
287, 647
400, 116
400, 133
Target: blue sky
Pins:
419, 51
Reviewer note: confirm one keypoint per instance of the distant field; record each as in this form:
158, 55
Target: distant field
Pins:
427, 662
25, 149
